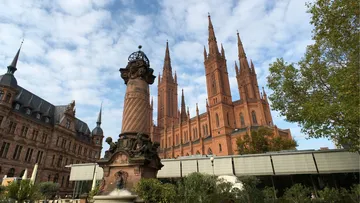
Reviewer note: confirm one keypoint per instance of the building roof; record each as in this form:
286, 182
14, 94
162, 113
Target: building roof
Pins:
8, 80
46, 109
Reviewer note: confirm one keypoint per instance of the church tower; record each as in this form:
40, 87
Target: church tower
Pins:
256, 107
167, 94
219, 94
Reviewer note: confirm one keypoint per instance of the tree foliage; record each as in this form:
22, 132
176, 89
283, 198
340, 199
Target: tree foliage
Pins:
153, 191
298, 194
263, 140
321, 91
22, 190
48, 189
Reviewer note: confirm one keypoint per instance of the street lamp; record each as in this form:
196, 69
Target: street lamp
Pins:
212, 164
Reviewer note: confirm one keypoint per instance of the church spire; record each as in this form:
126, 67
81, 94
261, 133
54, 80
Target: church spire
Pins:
252, 67
12, 67
167, 60
183, 108
213, 48
236, 68
240, 48
98, 122
264, 94
205, 54
222, 51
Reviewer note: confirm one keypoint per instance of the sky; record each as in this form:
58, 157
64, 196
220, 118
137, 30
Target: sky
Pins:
73, 49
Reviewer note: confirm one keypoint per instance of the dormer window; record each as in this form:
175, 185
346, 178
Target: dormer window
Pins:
8, 97
28, 111
67, 123
17, 106
1, 94
38, 116
47, 120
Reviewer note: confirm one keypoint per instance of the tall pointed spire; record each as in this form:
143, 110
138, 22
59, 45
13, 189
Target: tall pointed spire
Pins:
98, 122
264, 94
12, 67
222, 51
197, 110
183, 108
213, 47
252, 67
236, 68
167, 61
240, 48
159, 78
152, 103
175, 77
205, 54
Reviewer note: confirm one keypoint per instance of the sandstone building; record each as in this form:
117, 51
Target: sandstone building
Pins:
216, 130
33, 130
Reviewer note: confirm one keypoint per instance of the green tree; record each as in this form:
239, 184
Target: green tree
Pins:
269, 194
263, 140
153, 191
321, 91
48, 189
23, 190
330, 195
297, 194
250, 193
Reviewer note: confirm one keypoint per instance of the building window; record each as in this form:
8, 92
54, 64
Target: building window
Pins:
67, 125
59, 162
11, 172
49, 178
1, 119
35, 134
253, 114
62, 181
197, 152
69, 145
1, 94
53, 160
17, 106
228, 119
38, 116
217, 120
4, 149
24, 131
56, 178
12, 127
28, 155
8, 97
44, 138
47, 120
39, 157
209, 152
220, 149
28, 111
85, 151
63, 143
17, 152
242, 121
79, 150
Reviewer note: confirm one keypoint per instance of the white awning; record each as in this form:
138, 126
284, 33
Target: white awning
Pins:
205, 166
223, 166
171, 169
253, 165
332, 162
85, 172
188, 166
294, 164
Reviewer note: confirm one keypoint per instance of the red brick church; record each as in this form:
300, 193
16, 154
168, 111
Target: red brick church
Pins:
216, 130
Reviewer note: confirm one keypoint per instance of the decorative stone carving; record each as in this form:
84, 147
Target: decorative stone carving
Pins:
121, 178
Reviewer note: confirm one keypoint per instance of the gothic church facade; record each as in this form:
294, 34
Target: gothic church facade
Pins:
216, 130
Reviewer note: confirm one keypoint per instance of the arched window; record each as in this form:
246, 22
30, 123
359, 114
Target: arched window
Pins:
11, 172
242, 121
197, 152
62, 181
28, 111
209, 152
204, 132
206, 129
56, 178
7, 98
220, 149
228, 119
217, 120
253, 114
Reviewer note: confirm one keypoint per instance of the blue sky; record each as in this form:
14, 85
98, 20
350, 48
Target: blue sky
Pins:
73, 49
